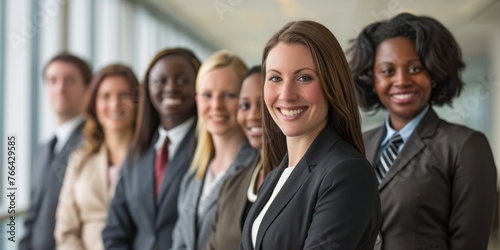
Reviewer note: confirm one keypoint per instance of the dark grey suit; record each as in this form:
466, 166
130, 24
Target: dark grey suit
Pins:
329, 201
47, 175
135, 221
440, 191
192, 232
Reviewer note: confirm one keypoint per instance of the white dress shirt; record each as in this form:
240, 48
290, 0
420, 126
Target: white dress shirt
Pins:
175, 135
258, 220
64, 132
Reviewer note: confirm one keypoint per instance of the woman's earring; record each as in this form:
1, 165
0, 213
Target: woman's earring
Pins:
433, 84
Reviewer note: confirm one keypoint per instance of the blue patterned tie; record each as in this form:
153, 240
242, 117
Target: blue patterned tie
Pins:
388, 156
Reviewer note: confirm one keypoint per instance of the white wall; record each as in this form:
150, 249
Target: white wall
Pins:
16, 103
99, 31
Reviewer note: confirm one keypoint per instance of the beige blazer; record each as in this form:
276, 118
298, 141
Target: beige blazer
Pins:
83, 202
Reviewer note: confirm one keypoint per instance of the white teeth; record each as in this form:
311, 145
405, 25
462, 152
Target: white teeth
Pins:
255, 129
292, 112
172, 101
115, 116
403, 96
218, 118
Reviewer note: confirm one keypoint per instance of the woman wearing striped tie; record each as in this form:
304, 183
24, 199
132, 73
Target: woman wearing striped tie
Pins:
437, 179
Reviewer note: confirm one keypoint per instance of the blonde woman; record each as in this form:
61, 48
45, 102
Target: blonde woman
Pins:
93, 170
221, 149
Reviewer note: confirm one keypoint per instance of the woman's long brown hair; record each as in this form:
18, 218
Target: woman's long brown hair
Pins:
336, 80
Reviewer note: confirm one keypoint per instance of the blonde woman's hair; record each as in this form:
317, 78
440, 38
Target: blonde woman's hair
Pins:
205, 147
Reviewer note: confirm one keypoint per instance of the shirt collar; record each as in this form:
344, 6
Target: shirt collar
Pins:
65, 130
175, 135
406, 131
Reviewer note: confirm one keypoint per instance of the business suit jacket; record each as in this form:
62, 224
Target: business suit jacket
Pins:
136, 218
440, 191
231, 205
84, 201
192, 232
329, 201
47, 176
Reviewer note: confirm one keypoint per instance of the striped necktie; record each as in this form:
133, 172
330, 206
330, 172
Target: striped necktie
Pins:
388, 156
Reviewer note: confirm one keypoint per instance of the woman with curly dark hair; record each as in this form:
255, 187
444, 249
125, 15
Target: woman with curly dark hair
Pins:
437, 179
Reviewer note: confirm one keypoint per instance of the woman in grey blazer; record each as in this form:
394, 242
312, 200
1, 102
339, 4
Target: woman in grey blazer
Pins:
222, 149
143, 211
323, 194
437, 179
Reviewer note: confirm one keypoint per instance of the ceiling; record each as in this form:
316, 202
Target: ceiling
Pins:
244, 26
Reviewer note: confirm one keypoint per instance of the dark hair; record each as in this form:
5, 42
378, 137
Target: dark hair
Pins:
93, 132
83, 67
253, 70
148, 118
439, 52
336, 82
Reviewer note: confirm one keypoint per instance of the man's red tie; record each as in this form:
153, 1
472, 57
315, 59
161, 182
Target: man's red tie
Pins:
161, 164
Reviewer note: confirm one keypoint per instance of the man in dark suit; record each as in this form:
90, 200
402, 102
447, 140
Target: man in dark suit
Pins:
66, 80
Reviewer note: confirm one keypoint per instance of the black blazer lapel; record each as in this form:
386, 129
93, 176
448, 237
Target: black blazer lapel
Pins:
320, 146
40, 168
294, 182
60, 160
177, 167
412, 147
263, 196
144, 169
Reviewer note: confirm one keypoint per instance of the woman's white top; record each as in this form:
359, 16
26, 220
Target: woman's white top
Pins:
256, 223
251, 193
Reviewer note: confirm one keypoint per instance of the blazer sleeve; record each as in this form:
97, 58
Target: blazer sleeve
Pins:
120, 229
31, 216
178, 239
473, 194
24, 244
212, 243
347, 211
68, 226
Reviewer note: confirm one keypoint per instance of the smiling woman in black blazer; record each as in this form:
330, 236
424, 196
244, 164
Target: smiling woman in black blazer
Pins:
143, 212
323, 194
